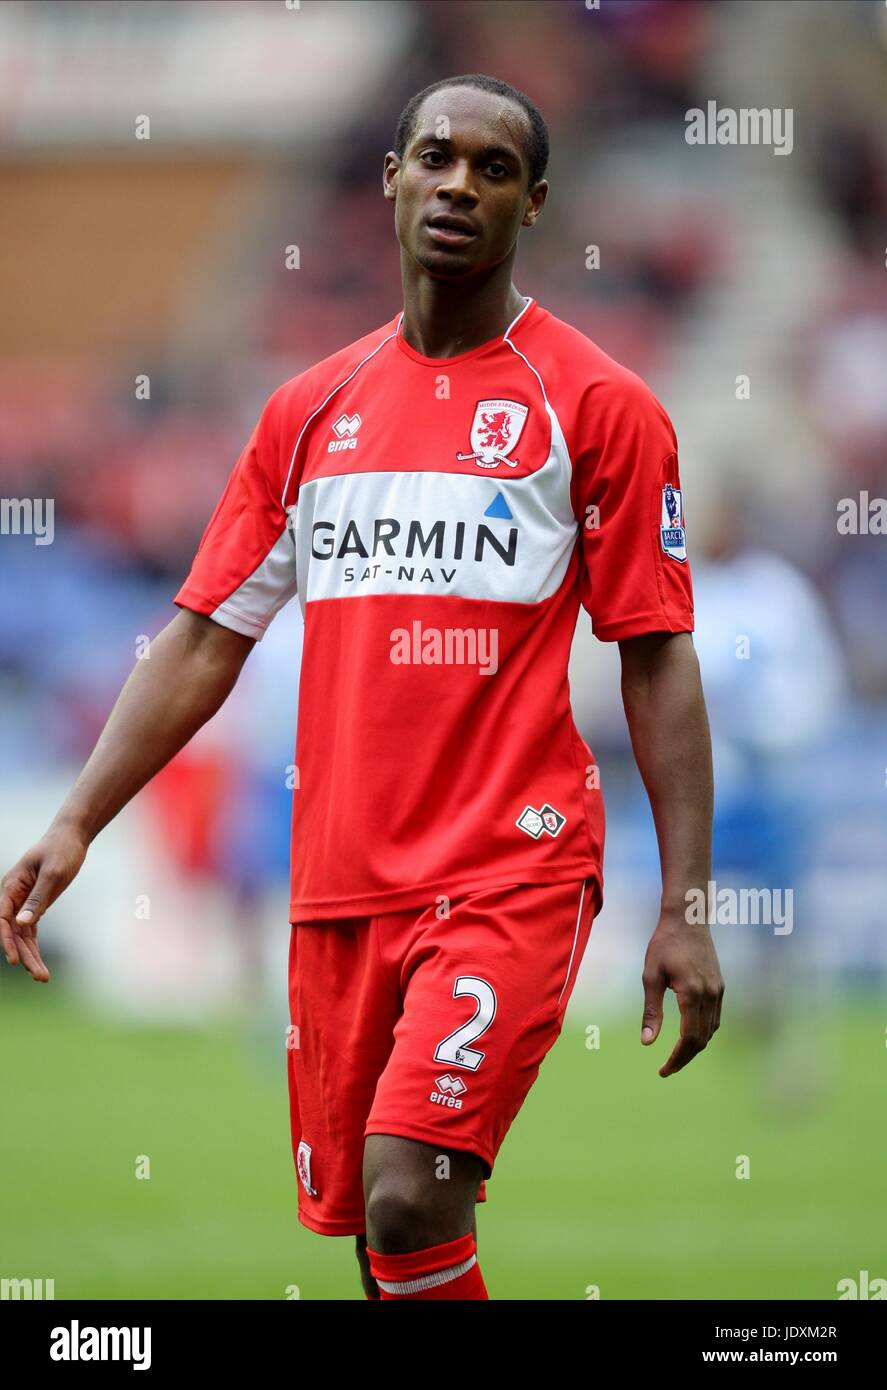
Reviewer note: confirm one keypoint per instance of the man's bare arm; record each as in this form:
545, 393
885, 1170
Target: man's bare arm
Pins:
668, 724
193, 666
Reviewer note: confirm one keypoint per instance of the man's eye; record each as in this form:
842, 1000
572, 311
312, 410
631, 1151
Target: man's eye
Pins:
496, 168
432, 154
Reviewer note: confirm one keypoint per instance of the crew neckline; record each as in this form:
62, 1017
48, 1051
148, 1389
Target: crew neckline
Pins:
443, 362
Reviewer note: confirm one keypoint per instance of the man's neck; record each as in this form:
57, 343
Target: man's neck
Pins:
443, 318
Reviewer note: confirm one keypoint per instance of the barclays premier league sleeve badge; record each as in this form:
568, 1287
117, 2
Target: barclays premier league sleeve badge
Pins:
672, 529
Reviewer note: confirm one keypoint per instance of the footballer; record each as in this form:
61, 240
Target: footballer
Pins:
442, 496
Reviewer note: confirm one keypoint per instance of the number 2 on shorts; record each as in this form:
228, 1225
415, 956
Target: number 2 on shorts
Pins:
456, 1049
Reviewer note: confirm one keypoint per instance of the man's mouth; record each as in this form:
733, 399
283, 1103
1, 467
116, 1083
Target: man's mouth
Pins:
451, 231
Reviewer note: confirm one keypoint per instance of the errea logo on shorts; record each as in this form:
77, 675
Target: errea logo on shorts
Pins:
456, 1087
345, 429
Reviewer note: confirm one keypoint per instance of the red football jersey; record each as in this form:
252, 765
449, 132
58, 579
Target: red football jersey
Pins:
441, 520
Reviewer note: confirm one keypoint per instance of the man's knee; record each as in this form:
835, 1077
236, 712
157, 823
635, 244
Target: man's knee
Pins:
414, 1200
399, 1211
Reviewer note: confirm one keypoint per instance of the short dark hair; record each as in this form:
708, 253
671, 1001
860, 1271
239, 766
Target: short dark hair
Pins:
537, 147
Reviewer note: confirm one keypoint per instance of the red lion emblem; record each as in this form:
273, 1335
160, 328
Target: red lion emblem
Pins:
494, 432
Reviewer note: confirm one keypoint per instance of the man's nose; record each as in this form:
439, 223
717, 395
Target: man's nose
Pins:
458, 183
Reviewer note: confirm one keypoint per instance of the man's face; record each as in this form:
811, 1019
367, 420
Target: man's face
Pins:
460, 191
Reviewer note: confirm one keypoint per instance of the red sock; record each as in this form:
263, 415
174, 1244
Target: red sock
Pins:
450, 1270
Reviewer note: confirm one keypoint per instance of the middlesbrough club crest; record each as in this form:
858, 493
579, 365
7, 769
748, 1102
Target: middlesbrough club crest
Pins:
303, 1167
495, 430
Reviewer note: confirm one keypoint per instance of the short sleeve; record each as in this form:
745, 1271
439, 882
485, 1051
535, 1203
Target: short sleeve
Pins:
245, 567
629, 501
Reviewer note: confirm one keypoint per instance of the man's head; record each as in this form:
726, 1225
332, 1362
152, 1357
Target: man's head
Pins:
466, 173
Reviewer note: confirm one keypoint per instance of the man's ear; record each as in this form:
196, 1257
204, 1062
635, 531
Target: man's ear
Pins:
537, 197
390, 172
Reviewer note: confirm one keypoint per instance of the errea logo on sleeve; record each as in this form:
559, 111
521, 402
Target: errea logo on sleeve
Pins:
345, 429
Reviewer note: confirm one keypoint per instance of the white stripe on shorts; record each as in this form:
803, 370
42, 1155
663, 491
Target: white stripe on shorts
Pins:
575, 939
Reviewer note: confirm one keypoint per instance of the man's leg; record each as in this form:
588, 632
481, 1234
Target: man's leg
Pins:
421, 1222
370, 1287
455, 1080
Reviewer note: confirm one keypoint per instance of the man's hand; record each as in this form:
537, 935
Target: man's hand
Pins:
683, 958
665, 709
29, 888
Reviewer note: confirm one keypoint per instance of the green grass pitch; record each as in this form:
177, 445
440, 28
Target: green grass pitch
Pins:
610, 1177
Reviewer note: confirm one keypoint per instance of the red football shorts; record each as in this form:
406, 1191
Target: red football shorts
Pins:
426, 1026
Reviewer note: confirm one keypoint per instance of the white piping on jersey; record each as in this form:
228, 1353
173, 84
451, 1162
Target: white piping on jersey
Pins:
402, 1287
348, 378
519, 315
507, 340
555, 422
575, 939
527, 304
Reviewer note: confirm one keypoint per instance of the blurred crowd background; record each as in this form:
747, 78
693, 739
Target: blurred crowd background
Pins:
166, 258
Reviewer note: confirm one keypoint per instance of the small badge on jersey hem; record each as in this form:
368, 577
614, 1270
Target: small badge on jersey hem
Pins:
672, 529
495, 430
535, 822
303, 1167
